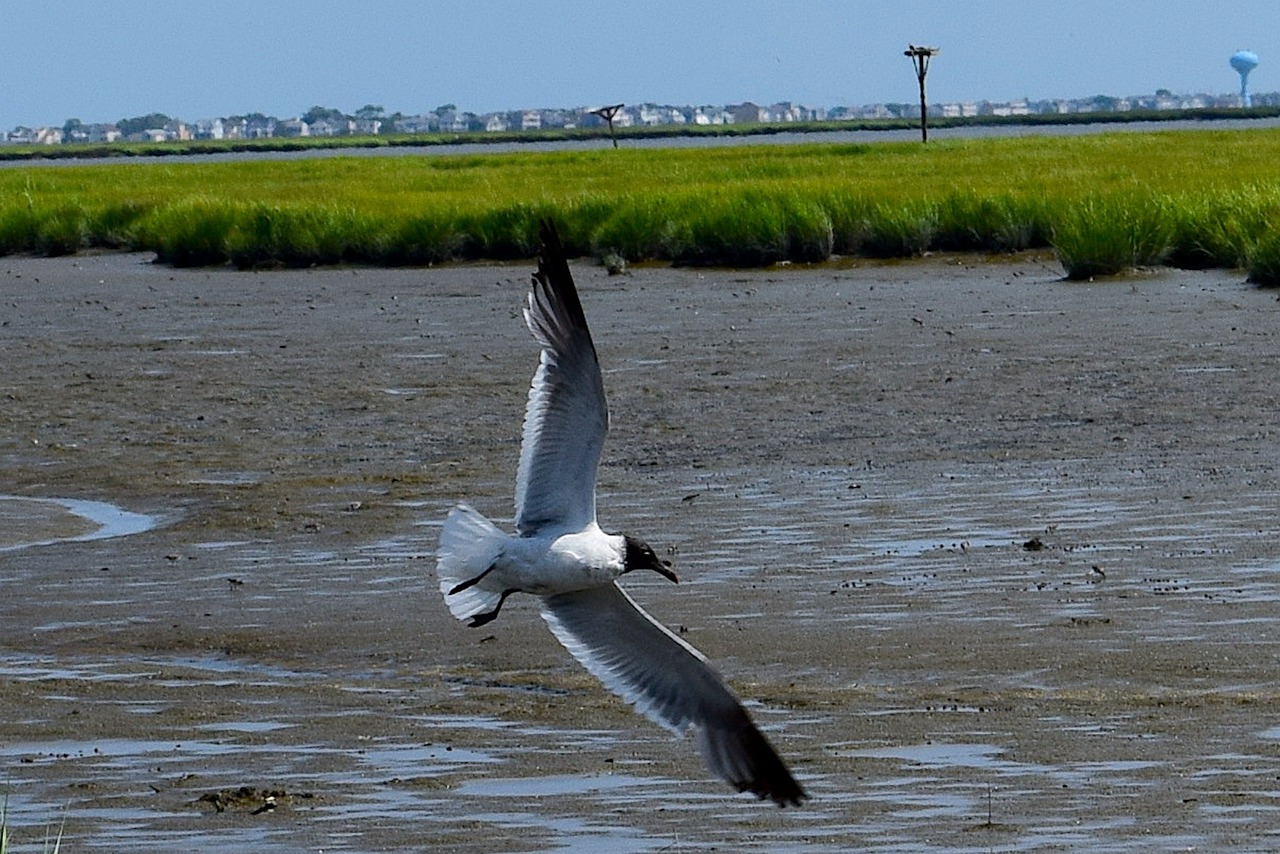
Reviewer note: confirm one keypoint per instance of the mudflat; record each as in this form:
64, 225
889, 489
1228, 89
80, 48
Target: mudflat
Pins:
992, 557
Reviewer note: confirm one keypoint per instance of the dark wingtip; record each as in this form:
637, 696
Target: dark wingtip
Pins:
553, 286
794, 798
767, 775
553, 265
790, 796
552, 262
548, 235
783, 792
782, 789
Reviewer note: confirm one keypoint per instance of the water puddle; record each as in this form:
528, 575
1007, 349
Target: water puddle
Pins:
27, 522
234, 478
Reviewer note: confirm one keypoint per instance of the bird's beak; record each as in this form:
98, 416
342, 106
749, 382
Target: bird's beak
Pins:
665, 570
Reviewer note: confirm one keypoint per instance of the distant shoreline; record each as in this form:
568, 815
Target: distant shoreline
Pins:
878, 130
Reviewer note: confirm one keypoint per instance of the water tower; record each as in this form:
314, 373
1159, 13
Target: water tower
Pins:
1243, 62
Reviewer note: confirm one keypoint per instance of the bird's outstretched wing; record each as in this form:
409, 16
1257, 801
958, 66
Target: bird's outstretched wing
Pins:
566, 417
670, 682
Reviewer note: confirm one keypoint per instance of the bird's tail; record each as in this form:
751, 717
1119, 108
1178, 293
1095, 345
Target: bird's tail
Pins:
469, 547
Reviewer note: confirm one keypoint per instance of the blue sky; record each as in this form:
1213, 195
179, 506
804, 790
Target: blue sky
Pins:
103, 60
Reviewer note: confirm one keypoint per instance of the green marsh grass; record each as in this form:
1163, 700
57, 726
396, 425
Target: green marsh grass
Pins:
191, 232
972, 221
752, 229
1217, 230
899, 230
638, 228
61, 231
1105, 236
18, 227
418, 240
1104, 203
1262, 260
298, 235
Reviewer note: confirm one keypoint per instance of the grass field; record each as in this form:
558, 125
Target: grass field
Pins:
1104, 203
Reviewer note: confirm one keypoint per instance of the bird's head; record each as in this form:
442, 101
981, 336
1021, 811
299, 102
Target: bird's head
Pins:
639, 556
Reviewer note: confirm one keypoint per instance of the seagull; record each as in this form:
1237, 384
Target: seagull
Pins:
560, 554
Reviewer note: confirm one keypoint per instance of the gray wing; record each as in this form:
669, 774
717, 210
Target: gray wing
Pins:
671, 683
566, 417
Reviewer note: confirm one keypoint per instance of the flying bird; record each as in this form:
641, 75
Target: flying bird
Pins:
560, 554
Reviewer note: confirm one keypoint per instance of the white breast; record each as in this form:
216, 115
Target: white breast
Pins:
548, 564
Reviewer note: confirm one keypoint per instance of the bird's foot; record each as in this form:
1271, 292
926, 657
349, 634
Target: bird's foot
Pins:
489, 616
458, 588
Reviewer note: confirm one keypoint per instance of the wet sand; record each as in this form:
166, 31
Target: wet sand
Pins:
993, 557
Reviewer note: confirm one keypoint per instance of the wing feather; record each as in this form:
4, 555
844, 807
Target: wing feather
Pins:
671, 683
566, 417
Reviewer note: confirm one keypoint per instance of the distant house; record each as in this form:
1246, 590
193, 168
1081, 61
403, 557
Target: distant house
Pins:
92, 133
496, 123
208, 129
367, 127
451, 121
320, 127
258, 127
22, 135
1013, 108
712, 116
747, 113
293, 128
149, 135
414, 124
650, 115
961, 110
871, 111
555, 119
785, 111
179, 131
531, 120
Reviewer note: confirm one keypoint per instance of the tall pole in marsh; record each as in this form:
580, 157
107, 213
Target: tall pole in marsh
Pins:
920, 57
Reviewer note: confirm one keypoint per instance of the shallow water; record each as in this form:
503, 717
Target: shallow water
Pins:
860, 560
27, 522
1004, 580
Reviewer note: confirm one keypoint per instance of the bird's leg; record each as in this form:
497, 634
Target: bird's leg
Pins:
489, 616
458, 588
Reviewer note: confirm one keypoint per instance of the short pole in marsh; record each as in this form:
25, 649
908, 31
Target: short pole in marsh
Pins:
608, 113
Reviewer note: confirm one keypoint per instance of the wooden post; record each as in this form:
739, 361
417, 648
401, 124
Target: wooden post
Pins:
920, 57
607, 113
